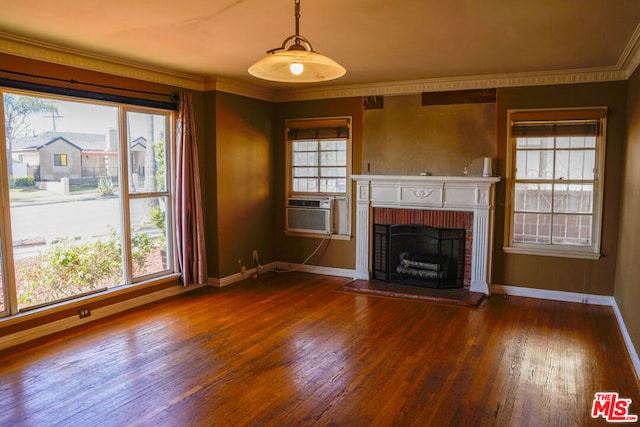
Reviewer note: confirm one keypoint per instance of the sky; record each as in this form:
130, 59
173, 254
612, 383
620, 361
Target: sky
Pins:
87, 118
76, 117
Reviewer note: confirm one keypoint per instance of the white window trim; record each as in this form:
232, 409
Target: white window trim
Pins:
591, 252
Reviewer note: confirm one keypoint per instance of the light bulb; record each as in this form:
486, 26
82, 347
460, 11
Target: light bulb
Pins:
296, 68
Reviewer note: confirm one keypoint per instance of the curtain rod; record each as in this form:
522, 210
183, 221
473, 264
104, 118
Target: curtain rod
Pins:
83, 93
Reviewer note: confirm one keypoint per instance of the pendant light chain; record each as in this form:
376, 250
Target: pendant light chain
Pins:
297, 15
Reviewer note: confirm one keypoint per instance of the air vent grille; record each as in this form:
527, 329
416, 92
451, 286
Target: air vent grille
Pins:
309, 203
309, 216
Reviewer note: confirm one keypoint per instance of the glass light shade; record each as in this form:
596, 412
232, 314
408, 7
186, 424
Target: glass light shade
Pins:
277, 67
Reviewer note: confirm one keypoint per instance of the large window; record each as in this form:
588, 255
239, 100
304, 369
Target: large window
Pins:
102, 221
556, 162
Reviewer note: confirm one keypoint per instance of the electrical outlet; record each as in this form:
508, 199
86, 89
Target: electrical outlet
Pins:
255, 255
85, 312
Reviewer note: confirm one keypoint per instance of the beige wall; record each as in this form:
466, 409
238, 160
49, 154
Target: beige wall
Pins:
627, 283
564, 274
407, 138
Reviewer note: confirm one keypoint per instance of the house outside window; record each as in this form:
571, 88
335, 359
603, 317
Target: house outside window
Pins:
60, 160
118, 234
554, 182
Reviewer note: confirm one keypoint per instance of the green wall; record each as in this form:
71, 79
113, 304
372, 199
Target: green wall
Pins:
627, 283
240, 182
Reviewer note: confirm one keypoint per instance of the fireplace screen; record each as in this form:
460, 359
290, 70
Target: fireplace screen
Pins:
419, 255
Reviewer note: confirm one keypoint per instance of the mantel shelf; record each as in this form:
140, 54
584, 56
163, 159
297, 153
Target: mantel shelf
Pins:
429, 178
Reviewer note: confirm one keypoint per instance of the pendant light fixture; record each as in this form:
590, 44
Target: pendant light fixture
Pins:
296, 61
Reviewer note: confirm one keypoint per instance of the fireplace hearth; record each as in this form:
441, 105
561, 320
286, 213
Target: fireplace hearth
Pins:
418, 255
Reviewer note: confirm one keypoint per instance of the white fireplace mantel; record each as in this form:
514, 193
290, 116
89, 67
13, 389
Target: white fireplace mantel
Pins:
454, 193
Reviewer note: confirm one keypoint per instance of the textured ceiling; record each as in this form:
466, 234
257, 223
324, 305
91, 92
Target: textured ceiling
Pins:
375, 40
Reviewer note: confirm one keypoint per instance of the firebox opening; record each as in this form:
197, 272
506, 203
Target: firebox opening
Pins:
419, 255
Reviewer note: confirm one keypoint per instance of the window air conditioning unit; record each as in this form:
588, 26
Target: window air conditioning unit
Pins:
309, 215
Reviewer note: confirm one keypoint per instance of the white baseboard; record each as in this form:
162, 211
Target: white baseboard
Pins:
238, 277
282, 267
553, 295
581, 298
97, 313
315, 269
633, 354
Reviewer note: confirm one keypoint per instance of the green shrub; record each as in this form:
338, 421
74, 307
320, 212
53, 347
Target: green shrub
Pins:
69, 268
141, 246
158, 218
72, 267
22, 181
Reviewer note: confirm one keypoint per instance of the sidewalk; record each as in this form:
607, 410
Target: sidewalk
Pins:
31, 197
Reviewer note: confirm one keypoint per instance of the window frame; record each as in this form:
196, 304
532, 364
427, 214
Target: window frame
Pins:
131, 196
591, 251
7, 279
60, 160
324, 122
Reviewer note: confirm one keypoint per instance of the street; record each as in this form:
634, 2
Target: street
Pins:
50, 221
35, 225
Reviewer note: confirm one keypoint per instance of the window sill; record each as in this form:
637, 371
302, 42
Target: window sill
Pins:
559, 253
319, 236
93, 301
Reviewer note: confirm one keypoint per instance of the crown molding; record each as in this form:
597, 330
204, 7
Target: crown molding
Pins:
627, 64
243, 89
456, 83
48, 52
630, 58
53, 53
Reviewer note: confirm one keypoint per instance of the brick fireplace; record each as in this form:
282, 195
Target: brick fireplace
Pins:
432, 218
445, 202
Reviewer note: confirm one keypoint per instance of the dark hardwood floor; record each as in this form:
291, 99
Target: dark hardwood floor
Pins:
287, 349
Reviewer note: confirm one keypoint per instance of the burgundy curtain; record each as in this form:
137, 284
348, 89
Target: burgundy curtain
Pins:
189, 222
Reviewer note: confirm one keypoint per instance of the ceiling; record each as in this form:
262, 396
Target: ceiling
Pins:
377, 41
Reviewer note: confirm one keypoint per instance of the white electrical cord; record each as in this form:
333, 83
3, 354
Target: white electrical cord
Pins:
327, 237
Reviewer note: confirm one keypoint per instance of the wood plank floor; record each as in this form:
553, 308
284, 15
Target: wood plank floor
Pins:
287, 349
